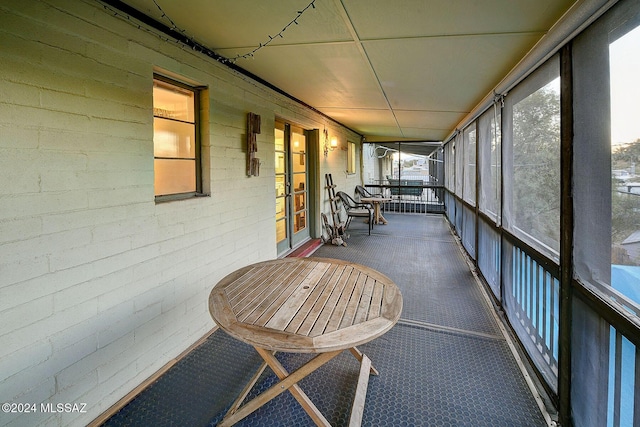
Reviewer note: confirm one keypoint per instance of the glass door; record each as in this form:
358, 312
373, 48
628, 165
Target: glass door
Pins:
282, 190
291, 165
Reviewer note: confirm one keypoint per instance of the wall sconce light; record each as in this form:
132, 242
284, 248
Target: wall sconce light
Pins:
330, 146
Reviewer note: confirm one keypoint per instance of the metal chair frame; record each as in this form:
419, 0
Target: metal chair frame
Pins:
354, 209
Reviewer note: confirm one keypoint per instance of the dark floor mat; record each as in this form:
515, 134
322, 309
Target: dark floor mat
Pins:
428, 267
443, 364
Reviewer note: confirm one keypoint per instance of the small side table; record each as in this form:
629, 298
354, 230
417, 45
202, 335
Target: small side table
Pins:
376, 201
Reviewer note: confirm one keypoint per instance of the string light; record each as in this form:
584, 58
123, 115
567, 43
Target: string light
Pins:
173, 24
271, 38
189, 41
175, 34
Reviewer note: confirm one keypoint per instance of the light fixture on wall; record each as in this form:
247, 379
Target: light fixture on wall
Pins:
330, 146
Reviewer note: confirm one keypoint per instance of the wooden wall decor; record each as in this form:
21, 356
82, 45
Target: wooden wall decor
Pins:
253, 128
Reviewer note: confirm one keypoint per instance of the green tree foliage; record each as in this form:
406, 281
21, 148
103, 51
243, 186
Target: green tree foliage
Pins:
625, 207
536, 163
622, 156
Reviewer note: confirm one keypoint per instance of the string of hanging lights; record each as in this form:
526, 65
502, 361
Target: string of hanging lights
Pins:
125, 12
272, 38
164, 15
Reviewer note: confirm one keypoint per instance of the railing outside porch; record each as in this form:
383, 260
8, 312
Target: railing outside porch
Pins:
410, 196
526, 285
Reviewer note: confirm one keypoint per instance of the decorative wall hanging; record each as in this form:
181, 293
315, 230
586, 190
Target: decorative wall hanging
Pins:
253, 128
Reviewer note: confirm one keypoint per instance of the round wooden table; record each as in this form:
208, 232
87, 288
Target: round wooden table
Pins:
308, 305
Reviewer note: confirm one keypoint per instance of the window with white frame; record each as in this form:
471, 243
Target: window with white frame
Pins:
351, 157
176, 145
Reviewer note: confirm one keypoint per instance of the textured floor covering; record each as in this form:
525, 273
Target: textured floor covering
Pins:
443, 364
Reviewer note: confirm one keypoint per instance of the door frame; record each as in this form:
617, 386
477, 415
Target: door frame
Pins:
311, 138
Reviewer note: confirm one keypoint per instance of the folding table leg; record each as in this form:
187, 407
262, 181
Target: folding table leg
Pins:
305, 370
287, 382
234, 407
359, 355
357, 409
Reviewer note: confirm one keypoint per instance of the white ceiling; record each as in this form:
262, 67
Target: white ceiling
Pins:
391, 70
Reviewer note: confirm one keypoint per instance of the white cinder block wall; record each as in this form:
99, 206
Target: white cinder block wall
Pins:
99, 285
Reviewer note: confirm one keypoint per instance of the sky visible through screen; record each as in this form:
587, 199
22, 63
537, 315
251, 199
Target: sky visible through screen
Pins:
624, 62
624, 56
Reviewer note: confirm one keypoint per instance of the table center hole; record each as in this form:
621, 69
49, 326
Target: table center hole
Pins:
305, 287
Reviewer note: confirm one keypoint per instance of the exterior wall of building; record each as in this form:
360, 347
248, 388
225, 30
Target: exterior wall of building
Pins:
99, 285
335, 163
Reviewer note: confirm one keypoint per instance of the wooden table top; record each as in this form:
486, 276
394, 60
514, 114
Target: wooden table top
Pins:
305, 305
375, 199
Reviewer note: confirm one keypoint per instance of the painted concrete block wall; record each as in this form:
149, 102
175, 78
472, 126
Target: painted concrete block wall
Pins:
99, 285
335, 163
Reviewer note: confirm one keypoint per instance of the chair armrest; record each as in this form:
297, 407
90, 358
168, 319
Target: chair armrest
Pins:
362, 205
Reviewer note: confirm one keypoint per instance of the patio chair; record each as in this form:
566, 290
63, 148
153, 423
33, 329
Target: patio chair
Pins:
363, 192
355, 209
